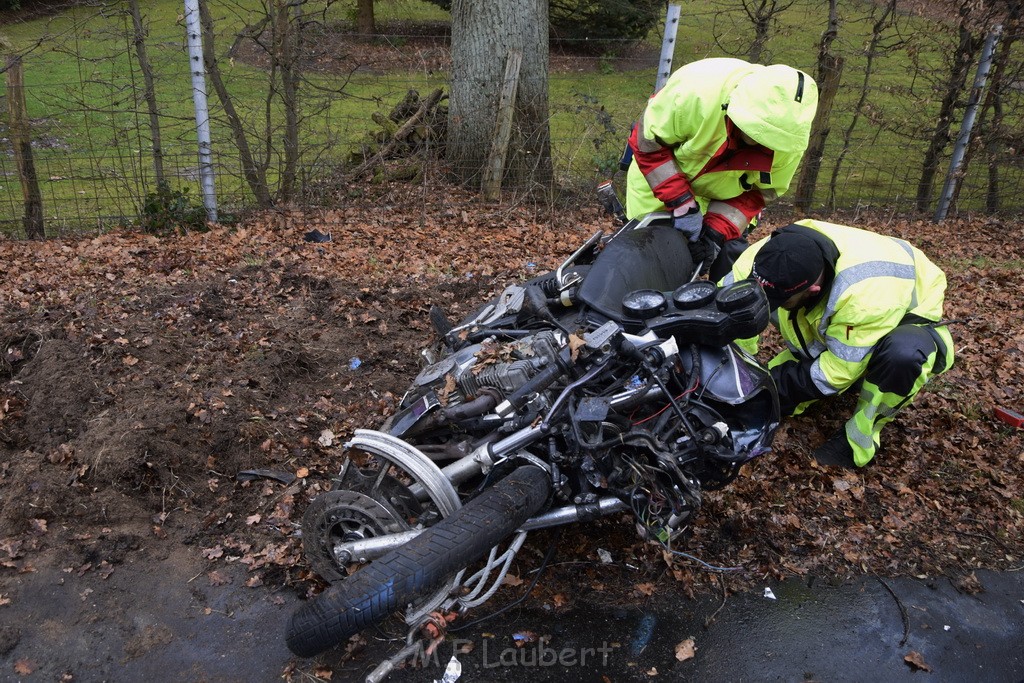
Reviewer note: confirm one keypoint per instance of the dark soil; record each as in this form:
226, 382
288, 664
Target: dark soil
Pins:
140, 376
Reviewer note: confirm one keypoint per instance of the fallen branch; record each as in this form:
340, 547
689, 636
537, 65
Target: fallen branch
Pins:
725, 593
903, 610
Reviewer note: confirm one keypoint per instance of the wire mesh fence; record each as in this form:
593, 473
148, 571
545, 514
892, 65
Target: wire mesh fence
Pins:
94, 131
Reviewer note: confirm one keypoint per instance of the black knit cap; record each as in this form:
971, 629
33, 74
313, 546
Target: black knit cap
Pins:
786, 265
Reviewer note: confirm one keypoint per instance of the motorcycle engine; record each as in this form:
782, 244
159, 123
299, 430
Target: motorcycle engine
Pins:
503, 366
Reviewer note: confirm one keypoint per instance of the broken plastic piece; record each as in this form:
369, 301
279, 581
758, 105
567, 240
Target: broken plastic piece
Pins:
451, 672
1010, 417
316, 236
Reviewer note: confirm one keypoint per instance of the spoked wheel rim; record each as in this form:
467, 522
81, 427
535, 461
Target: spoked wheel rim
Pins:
386, 486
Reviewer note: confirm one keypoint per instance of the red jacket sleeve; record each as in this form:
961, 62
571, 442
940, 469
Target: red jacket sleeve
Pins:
659, 167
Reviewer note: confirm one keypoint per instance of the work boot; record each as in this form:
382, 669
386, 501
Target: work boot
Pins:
836, 452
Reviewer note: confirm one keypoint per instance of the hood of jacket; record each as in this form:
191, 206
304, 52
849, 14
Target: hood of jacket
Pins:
775, 106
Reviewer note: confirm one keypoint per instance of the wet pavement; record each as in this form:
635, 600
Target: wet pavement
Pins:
174, 620
864, 630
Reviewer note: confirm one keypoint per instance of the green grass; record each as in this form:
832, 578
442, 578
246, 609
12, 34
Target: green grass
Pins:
91, 128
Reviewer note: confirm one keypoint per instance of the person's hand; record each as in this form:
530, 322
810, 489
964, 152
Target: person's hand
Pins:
710, 243
688, 220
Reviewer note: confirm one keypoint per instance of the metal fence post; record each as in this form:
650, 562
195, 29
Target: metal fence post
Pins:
668, 46
195, 56
984, 64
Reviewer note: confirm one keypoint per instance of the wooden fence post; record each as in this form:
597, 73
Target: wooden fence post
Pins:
495, 167
21, 140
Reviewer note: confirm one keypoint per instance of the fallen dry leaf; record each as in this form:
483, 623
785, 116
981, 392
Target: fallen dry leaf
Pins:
916, 661
645, 589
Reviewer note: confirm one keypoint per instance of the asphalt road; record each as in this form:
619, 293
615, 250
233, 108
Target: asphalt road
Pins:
168, 621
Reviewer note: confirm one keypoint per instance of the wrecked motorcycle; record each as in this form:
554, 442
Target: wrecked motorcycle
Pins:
609, 385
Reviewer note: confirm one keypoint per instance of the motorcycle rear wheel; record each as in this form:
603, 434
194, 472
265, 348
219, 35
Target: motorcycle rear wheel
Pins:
393, 581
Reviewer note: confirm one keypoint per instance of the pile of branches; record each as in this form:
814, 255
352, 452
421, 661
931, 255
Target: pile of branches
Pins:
415, 128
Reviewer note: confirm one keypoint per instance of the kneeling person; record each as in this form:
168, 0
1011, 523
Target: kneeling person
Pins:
852, 306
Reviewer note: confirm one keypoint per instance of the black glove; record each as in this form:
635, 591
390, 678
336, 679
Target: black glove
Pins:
706, 248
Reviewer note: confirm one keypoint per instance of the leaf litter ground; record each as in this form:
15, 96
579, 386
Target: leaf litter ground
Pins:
140, 375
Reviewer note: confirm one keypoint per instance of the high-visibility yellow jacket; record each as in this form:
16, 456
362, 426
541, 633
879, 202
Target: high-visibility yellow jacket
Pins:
877, 281
687, 142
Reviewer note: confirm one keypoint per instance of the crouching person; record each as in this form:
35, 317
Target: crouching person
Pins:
856, 309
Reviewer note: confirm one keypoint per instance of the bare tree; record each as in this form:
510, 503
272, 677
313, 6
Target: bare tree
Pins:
285, 61
762, 14
990, 136
829, 74
749, 37
959, 68
21, 140
484, 35
149, 92
365, 23
255, 173
874, 47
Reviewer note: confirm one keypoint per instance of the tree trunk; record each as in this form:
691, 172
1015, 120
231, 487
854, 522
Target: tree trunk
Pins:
21, 140
830, 71
994, 138
287, 61
483, 36
365, 23
959, 69
255, 175
150, 95
762, 13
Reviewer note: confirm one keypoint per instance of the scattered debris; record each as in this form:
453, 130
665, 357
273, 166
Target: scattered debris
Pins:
523, 638
252, 475
768, 594
316, 236
452, 672
685, 650
915, 661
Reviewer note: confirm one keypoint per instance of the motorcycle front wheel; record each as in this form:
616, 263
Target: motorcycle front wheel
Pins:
421, 565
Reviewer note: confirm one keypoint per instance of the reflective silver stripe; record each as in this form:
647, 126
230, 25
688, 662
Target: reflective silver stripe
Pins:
728, 279
865, 441
656, 176
857, 274
769, 195
887, 411
729, 213
818, 377
645, 143
910, 252
851, 354
817, 348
